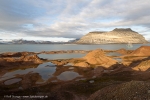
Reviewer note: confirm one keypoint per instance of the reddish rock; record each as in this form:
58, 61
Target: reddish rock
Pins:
97, 57
142, 51
82, 64
16, 54
143, 66
59, 63
124, 51
11, 54
33, 58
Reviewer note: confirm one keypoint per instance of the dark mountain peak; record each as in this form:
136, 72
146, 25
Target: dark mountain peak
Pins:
122, 29
96, 32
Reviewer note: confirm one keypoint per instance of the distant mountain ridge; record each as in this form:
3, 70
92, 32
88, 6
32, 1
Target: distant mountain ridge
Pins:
22, 41
120, 35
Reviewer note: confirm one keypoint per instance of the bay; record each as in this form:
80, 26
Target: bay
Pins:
56, 47
61, 56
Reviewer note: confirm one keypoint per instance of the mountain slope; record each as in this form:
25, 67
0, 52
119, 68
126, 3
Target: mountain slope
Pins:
115, 36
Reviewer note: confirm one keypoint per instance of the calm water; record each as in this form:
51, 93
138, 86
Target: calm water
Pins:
61, 56
12, 81
46, 71
113, 54
65, 76
51, 47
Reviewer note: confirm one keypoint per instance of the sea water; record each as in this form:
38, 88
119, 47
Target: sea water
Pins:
55, 47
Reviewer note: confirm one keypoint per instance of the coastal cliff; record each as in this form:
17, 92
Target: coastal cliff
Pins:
115, 36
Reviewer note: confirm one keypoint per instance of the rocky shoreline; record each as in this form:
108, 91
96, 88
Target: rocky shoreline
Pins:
103, 76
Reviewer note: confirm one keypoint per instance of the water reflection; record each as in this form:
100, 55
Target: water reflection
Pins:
54, 81
118, 59
113, 54
61, 56
69, 64
80, 79
71, 67
12, 81
68, 75
46, 72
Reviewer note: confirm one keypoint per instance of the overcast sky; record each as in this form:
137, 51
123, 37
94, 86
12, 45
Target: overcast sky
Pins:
71, 18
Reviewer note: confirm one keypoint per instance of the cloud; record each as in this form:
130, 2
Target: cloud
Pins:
66, 18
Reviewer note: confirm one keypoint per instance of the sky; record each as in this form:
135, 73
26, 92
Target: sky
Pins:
65, 19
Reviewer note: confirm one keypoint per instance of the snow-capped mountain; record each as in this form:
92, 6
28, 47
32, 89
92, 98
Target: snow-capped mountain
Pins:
36, 41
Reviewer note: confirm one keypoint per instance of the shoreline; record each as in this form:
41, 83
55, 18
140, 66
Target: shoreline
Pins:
66, 43
96, 68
